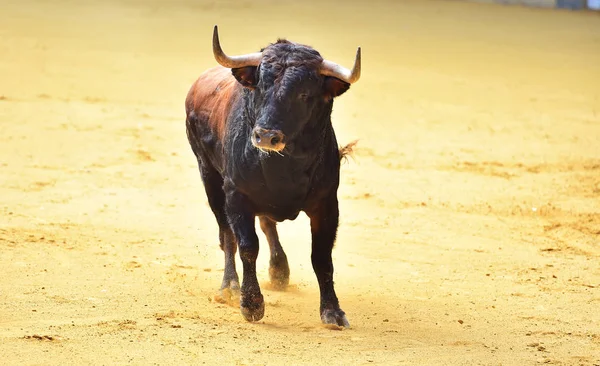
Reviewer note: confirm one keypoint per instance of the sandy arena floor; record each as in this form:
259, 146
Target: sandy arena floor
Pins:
470, 229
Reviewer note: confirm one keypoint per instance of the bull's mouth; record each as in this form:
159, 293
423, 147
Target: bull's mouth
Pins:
268, 140
278, 147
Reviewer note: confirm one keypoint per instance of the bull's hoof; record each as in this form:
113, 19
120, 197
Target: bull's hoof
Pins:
253, 307
279, 273
335, 317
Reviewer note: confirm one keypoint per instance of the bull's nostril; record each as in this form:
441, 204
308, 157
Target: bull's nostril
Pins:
275, 140
256, 136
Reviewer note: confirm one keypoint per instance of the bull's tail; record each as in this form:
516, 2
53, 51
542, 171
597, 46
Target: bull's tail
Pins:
347, 150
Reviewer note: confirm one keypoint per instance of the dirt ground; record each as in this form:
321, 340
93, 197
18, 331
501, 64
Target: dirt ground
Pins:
470, 215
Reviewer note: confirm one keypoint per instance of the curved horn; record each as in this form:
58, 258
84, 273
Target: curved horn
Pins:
251, 59
329, 68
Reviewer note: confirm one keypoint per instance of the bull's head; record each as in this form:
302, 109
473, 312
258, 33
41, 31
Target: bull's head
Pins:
291, 84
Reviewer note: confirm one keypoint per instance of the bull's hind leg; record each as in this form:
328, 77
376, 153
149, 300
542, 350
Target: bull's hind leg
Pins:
279, 270
213, 184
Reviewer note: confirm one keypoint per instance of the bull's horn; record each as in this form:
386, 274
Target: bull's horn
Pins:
252, 59
329, 68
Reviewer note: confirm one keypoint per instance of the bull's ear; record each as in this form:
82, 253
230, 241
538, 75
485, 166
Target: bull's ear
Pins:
333, 87
246, 76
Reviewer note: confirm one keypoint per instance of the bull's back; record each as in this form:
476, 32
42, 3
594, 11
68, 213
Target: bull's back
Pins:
208, 105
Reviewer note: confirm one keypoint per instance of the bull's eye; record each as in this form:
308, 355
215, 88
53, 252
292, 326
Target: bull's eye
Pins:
303, 97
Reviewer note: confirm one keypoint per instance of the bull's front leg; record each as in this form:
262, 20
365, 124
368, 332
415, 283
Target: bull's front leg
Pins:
241, 220
323, 224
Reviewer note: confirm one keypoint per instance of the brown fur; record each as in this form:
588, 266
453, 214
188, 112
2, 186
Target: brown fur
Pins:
213, 95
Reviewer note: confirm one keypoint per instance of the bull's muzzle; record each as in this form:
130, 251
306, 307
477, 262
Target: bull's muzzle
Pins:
270, 140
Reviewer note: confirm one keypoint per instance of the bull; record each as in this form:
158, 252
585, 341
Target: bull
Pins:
260, 127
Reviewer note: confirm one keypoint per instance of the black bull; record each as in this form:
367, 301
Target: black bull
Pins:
266, 147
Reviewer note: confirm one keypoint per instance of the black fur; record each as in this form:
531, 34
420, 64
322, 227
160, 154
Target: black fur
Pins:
286, 93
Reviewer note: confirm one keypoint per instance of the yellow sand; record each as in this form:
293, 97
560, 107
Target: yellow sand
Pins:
470, 217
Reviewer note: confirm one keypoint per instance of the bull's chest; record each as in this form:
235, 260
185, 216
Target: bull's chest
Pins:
277, 186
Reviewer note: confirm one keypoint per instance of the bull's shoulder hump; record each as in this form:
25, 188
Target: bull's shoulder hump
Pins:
212, 97
213, 84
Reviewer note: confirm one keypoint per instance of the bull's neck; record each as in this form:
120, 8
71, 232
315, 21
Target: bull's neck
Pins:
316, 134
